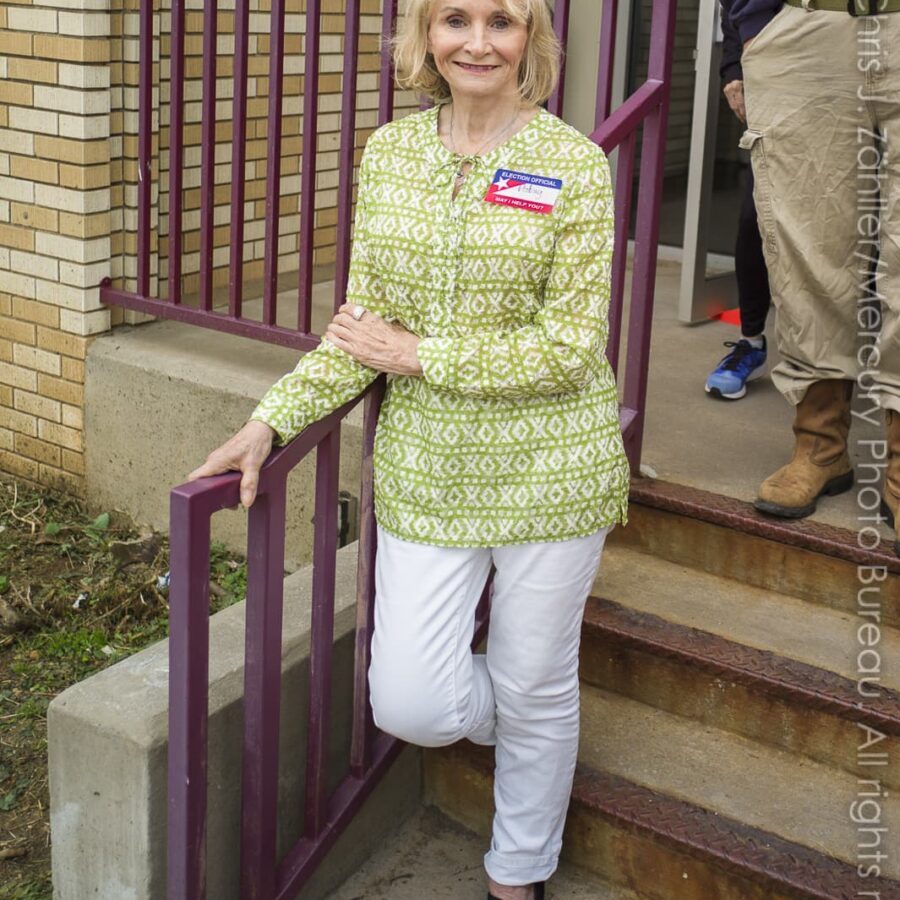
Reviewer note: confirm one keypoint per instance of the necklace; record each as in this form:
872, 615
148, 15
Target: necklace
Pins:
460, 172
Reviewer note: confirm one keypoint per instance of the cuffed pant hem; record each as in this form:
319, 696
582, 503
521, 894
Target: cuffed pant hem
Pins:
519, 870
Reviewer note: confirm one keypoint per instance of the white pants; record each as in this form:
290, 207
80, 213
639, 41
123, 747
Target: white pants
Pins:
428, 688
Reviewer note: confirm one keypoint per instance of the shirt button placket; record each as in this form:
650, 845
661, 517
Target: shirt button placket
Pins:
457, 229
453, 256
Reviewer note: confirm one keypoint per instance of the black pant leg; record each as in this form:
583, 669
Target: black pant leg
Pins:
754, 296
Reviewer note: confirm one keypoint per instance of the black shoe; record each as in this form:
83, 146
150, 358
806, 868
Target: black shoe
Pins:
538, 891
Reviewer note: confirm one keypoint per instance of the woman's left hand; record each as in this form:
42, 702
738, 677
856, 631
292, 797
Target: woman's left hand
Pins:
375, 342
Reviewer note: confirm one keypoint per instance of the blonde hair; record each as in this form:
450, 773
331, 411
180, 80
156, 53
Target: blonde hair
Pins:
538, 72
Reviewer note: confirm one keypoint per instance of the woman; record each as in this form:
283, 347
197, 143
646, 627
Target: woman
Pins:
479, 281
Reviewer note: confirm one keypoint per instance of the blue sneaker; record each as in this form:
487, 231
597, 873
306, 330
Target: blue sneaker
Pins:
743, 363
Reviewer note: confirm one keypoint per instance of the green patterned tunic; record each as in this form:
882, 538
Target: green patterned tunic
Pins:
512, 435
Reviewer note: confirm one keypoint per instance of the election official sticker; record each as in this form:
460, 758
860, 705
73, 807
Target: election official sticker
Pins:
534, 193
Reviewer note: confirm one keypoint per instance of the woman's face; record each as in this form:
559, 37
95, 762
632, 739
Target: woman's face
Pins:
477, 47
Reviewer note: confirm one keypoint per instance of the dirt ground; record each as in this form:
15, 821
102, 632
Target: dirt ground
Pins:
78, 592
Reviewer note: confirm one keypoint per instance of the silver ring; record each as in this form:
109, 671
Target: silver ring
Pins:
358, 312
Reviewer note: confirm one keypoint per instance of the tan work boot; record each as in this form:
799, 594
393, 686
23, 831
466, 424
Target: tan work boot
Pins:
890, 498
820, 464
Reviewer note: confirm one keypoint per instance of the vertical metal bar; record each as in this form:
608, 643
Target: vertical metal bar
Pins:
176, 149
145, 126
347, 151
262, 692
483, 611
188, 706
653, 147
208, 154
605, 71
308, 173
623, 194
363, 733
322, 633
238, 156
273, 164
386, 80
561, 27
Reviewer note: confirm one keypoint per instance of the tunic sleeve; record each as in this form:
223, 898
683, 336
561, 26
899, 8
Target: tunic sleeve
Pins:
328, 377
557, 351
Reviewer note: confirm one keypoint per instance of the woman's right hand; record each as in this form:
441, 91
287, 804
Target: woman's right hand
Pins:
245, 452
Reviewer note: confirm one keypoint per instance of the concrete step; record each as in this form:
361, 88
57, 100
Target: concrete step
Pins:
431, 855
764, 787
680, 811
723, 536
764, 665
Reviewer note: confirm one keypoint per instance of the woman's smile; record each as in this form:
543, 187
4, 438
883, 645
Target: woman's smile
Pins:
476, 69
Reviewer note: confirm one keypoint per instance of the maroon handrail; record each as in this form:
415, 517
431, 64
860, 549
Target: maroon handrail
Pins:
208, 157
273, 163
176, 151
308, 173
609, 15
192, 506
362, 743
348, 146
263, 875
320, 659
646, 232
190, 509
630, 115
262, 688
386, 90
238, 157
145, 169
623, 189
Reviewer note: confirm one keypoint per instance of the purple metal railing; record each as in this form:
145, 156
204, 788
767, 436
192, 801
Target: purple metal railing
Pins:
646, 108
192, 506
263, 875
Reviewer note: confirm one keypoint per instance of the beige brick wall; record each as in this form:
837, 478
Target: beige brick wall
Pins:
68, 187
54, 228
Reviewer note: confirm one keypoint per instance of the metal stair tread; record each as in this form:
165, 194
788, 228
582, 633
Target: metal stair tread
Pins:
727, 774
810, 633
701, 839
740, 516
431, 855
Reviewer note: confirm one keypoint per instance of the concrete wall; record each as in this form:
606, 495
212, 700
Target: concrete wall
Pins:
108, 751
161, 396
583, 58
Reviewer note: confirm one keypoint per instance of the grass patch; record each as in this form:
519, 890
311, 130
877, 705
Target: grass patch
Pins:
78, 592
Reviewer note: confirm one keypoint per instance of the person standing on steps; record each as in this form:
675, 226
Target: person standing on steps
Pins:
746, 360
822, 85
480, 283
